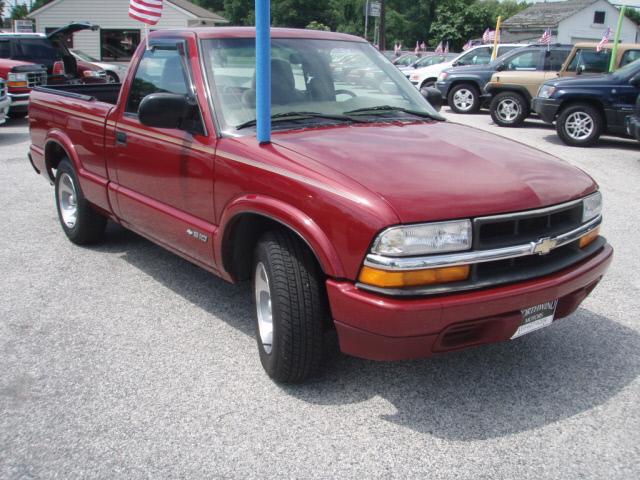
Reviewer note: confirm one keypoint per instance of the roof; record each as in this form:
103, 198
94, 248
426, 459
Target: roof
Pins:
191, 8
250, 32
546, 14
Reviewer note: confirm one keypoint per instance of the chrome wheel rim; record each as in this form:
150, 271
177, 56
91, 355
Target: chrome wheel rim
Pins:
263, 307
579, 125
463, 99
508, 110
68, 200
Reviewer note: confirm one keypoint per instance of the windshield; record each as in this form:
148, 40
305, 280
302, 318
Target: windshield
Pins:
323, 80
628, 70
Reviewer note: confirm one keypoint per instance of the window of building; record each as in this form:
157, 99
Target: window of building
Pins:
159, 71
598, 17
118, 45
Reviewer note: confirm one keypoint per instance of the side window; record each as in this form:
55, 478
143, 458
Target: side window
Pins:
590, 61
159, 71
629, 56
524, 61
479, 56
554, 59
5, 49
503, 50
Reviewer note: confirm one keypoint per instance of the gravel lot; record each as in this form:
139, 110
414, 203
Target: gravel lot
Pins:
124, 361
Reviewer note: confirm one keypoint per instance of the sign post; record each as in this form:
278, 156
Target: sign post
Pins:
496, 40
263, 71
616, 39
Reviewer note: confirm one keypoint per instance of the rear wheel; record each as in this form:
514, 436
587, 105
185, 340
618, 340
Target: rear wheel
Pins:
464, 98
509, 109
112, 77
579, 125
291, 307
80, 222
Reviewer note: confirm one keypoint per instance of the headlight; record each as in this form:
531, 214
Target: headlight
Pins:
424, 239
443, 76
91, 74
591, 207
17, 80
414, 77
546, 91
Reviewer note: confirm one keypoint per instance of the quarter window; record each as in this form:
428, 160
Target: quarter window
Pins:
159, 71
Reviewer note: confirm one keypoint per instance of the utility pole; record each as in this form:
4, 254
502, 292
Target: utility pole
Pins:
382, 37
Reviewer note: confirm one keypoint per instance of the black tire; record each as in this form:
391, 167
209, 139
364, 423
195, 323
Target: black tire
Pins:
472, 93
17, 115
518, 105
567, 115
89, 225
298, 307
428, 83
112, 77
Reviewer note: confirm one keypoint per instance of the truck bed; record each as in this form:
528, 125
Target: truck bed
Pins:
102, 92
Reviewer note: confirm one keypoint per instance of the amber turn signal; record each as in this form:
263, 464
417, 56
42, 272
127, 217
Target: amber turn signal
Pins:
413, 278
589, 237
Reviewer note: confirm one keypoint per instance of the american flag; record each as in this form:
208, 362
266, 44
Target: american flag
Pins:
446, 48
439, 48
488, 35
146, 11
417, 47
605, 39
545, 39
467, 45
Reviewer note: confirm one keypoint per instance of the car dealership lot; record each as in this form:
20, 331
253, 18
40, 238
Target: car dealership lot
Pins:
123, 361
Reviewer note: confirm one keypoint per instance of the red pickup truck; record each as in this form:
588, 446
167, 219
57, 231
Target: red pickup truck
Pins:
367, 213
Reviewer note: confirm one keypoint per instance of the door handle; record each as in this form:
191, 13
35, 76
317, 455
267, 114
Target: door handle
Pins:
121, 138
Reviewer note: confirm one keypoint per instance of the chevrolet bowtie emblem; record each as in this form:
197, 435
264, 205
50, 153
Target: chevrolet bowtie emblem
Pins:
544, 246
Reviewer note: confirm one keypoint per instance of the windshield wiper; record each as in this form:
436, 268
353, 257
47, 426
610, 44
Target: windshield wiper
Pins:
301, 116
388, 108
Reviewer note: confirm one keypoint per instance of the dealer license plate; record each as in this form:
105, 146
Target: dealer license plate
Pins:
535, 318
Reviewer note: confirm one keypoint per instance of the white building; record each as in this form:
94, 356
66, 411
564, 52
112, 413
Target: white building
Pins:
570, 22
119, 34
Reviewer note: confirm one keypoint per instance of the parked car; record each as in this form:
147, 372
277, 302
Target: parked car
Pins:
480, 55
462, 86
5, 102
583, 108
633, 122
406, 59
20, 78
114, 71
427, 61
51, 51
408, 252
511, 92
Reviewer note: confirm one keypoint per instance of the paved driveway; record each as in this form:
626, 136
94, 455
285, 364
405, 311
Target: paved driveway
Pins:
124, 361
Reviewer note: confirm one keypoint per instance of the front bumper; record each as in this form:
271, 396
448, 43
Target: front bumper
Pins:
19, 101
5, 103
386, 328
546, 108
633, 126
444, 88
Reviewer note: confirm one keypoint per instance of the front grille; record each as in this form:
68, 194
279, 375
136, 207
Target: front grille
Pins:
520, 228
3, 90
36, 79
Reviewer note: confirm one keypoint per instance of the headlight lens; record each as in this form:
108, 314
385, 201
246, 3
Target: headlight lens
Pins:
17, 77
440, 237
443, 76
591, 207
91, 73
546, 91
414, 77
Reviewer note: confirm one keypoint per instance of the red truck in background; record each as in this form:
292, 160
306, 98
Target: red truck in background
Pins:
367, 213
20, 78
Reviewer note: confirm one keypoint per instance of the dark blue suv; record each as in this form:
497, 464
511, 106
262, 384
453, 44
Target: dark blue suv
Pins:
585, 108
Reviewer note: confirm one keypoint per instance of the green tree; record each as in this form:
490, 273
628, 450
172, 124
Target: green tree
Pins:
19, 12
317, 26
39, 3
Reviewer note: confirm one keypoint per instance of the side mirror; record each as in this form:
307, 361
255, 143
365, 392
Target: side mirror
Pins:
168, 110
455, 64
580, 69
635, 80
433, 96
500, 67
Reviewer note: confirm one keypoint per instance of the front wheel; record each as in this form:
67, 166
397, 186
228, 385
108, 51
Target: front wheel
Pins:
464, 98
291, 307
80, 222
579, 125
509, 109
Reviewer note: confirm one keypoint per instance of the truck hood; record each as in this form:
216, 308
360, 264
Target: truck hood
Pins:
441, 170
9, 65
584, 81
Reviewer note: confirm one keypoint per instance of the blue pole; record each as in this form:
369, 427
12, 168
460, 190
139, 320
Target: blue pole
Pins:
263, 70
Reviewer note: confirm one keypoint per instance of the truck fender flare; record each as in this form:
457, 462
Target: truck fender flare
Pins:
509, 87
58, 137
289, 217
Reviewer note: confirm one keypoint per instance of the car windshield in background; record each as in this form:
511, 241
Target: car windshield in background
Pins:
318, 80
38, 50
84, 56
629, 69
